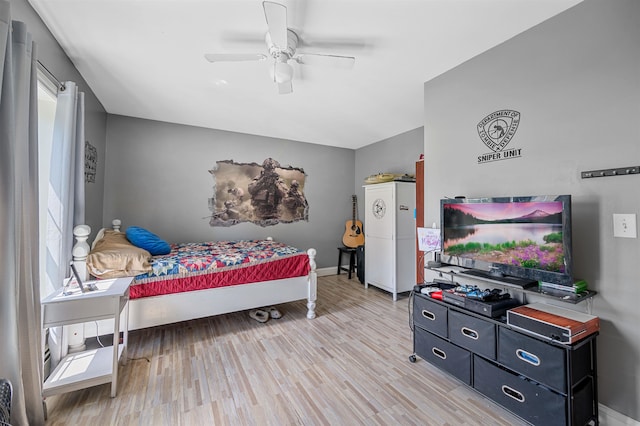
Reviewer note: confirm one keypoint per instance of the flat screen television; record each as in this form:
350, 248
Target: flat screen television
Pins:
524, 237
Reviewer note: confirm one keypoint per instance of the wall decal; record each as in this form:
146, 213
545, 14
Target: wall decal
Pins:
496, 131
265, 194
90, 162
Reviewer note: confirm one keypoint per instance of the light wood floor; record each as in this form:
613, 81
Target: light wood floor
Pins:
348, 366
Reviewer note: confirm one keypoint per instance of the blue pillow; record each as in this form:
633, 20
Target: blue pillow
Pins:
149, 241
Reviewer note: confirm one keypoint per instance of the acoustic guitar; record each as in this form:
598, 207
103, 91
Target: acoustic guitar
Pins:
353, 235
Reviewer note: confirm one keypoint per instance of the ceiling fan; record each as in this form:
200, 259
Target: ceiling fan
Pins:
281, 45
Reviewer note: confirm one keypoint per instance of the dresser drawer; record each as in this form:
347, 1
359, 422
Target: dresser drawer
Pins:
444, 355
430, 316
472, 333
533, 358
534, 403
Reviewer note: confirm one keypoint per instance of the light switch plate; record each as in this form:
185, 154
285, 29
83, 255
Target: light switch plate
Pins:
624, 225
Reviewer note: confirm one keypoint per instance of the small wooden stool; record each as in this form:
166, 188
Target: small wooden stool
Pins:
352, 259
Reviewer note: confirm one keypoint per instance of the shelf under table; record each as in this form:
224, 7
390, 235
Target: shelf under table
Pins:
81, 370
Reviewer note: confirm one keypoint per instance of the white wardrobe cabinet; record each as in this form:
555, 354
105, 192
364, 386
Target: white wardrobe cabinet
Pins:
390, 236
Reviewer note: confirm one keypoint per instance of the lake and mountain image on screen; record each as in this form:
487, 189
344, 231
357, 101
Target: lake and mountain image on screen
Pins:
525, 234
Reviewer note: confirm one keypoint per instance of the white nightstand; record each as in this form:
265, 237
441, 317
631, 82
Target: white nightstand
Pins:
95, 366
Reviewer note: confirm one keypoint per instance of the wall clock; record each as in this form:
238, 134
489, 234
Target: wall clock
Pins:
379, 208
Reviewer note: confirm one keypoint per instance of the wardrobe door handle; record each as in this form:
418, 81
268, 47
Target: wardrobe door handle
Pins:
439, 353
467, 332
512, 393
528, 357
428, 315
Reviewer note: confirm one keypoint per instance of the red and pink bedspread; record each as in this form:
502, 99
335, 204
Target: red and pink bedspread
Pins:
198, 266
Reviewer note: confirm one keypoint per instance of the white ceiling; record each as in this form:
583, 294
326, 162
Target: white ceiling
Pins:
144, 58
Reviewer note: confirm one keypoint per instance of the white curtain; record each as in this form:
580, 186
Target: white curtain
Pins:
66, 197
20, 325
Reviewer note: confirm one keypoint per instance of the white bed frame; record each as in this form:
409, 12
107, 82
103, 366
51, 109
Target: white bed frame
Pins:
166, 309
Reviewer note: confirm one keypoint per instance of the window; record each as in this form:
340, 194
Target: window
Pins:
47, 100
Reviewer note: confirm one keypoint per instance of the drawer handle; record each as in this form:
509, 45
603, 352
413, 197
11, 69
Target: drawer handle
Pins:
471, 334
439, 353
528, 357
512, 393
428, 315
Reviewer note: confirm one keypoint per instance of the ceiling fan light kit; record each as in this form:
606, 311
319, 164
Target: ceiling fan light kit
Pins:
282, 44
283, 72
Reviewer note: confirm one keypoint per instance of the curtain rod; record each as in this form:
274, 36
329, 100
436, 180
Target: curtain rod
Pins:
50, 75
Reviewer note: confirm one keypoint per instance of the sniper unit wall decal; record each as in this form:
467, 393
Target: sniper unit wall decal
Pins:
496, 131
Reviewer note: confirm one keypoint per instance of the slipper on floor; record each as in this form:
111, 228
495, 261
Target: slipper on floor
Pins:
273, 312
259, 315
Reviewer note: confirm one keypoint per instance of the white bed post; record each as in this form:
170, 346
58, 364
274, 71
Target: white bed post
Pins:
313, 285
115, 224
80, 251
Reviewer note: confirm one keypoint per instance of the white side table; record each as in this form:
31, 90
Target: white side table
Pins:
95, 366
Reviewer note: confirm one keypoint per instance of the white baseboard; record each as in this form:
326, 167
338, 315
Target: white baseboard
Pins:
609, 417
322, 272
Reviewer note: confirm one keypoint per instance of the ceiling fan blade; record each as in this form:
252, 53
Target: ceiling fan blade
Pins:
285, 88
276, 16
333, 61
234, 57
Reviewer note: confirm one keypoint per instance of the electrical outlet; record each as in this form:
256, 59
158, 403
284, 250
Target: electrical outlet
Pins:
624, 225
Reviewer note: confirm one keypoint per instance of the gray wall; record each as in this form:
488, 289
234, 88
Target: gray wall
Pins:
575, 79
150, 162
397, 154
158, 177
53, 57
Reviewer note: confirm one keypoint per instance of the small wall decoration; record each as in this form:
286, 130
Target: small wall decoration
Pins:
90, 162
428, 239
265, 194
496, 131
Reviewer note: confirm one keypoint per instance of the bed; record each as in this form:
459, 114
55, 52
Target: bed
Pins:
197, 280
